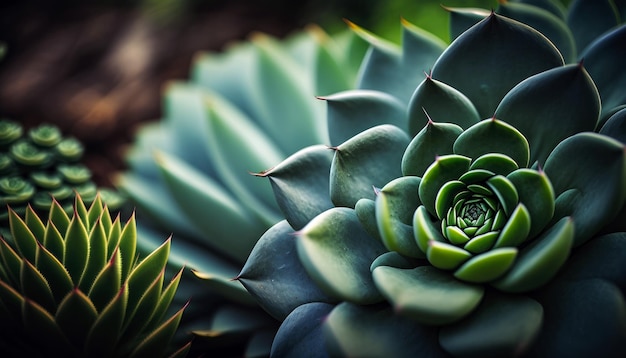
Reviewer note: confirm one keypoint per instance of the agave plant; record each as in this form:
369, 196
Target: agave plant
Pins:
481, 217
243, 110
39, 164
75, 286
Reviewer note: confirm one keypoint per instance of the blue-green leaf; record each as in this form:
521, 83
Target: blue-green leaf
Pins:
300, 334
588, 19
435, 139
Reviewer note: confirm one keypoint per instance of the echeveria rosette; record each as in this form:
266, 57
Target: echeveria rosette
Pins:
39, 164
243, 110
75, 286
434, 237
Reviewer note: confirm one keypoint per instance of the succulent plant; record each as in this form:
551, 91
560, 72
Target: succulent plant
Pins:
483, 216
243, 110
76, 286
39, 164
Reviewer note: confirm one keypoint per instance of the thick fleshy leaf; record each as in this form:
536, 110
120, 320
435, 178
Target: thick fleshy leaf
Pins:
395, 204
34, 223
435, 139
300, 184
493, 136
97, 255
108, 282
615, 126
76, 249
588, 19
553, 6
505, 191
462, 18
551, 117
591, 188
371, 158
487, 266
44, 331
445, 256
496, 163
366, 212
549, 24
145, 273
536, 193
381, 333
276, 73
603, 59
394, 259
539, 262
137, 319
351, 112
425, 228
485, 62
11, 261
25, 240
231, 221
274, 275
427, 294
158, 341
396, 71
238, 146
582, 318
127, 245
602, 257
516, 229
337, 253
439, 102
75, 316
167, 296
502, 326
34, 286
443, 169
300, 334
55, 273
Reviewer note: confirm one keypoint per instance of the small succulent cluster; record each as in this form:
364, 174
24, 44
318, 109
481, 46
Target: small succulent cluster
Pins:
74, 286
39, 164
479, 212
242, 110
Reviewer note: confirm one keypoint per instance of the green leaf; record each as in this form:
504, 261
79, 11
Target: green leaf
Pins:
128, 245
43, 330
381, 333
494, 136
426, 294
539, 262
502, 326
300, 334
551, 117
505, 191
34, 223
233, 220
371, 158
425, 229
435, 139
439, 102
55, 273
516, 229
536, 193
11, 261
280, 95
553, 6
59, 217
158, 341
24, 239
137, 319
54, 241
76, 253
445, 196
34, 286
75, 317
108, 282
337, 253
481, 243
445, 256
366, 212
274, 275
103, 335
497, 54
351, 112
462, 18
444, 169
549, 24
167, 296
615, 126
142, 275
97, 255
394, 259
495, 162
300, 184
590, 189
584, 318
603, 59
237, 146
589, 19
487, 266
395, 204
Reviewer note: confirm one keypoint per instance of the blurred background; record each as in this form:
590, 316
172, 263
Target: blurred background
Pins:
97, 68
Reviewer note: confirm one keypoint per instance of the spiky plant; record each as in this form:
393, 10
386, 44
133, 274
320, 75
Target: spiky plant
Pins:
243, 110
74, 286
446, 234
39, 164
